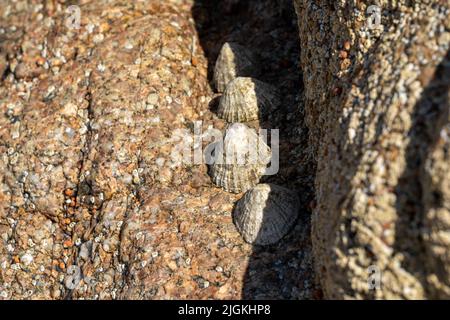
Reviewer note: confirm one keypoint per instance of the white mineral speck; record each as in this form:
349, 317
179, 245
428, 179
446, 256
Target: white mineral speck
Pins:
128, 45
98, 38
351, 134
26, 259
160, 161
101, 67
156, 120
90, 27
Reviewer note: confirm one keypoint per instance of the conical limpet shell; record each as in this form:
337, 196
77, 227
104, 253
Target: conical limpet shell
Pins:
234, 60
246, 99
236, 179
241, 160
266, 213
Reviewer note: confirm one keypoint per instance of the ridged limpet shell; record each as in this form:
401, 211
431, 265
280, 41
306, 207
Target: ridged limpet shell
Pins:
266, 213
246, 99
234, 60
241, 160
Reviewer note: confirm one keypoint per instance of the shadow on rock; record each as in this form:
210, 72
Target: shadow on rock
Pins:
429, 117
269, 29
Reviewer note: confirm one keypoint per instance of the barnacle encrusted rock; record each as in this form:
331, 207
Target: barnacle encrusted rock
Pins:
234, 60
241, 160
266, 213
246, 99
376, 103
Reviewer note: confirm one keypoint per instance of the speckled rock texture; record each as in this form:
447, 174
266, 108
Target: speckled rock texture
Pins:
92, 205
377, 107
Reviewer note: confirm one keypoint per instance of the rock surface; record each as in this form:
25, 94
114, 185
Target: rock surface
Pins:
377, 106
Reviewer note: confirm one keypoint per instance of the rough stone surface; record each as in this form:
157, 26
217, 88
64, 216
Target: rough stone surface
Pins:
377, 106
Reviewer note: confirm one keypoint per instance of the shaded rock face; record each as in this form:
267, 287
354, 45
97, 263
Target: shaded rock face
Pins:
377, 106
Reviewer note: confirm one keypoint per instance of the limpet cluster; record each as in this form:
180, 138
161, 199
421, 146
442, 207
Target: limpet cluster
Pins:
244, 98
266, 213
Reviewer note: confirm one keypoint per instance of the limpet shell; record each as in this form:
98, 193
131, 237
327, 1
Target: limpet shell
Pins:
266, 213
246, 99
234, 178
234, 60
241, 160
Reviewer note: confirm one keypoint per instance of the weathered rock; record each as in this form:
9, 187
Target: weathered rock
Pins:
88, 184
3, 64
435, 183
376, 100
